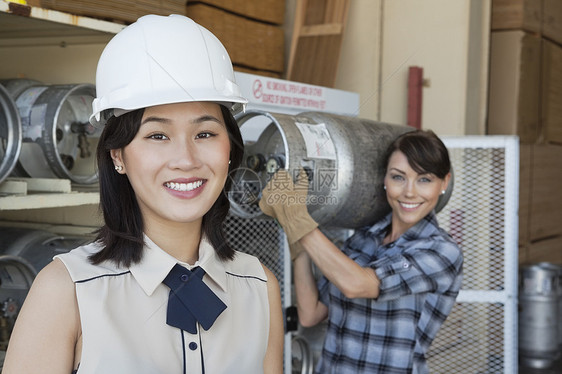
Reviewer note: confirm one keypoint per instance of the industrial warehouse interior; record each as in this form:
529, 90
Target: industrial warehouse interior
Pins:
484, 75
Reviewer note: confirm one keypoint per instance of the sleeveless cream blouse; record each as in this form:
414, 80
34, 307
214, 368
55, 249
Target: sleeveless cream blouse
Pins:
123, 315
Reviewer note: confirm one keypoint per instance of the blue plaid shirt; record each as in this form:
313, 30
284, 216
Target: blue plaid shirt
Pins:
420, 276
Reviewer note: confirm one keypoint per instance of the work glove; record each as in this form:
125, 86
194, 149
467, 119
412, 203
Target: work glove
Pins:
295, 249
286, 202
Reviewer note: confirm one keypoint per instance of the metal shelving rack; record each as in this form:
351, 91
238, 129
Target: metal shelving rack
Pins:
37, 193
28, 26
24, 25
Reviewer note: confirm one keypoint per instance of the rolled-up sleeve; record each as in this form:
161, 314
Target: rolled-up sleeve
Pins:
424, 267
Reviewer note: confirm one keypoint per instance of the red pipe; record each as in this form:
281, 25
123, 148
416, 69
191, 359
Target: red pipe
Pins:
415, 84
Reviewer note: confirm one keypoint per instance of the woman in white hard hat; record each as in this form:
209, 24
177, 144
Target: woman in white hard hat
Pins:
159, 290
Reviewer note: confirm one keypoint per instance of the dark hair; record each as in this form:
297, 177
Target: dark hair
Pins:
425, 152
122, 232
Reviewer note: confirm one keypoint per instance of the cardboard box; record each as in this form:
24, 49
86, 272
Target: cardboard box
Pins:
517, 15
541, 17
262, 73
545, 218
272, 11
551, 82
249, 43
548, 250
514, 91
525, 164
523, 254
552, 20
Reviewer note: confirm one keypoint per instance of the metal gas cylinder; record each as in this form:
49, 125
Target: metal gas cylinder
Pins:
58, 140
15, 86
343, 157
37, 247
16, 276
23, 253
10, 134
538, 314
302, 361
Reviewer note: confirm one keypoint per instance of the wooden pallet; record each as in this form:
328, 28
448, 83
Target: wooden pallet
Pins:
317, 39
34, 193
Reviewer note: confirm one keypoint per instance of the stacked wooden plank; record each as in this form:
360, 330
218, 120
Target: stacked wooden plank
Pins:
525, 99
125, 11
317, 39
251, 31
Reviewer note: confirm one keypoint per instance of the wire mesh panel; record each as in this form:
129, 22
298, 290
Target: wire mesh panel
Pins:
264, 239
480, 335
261, 238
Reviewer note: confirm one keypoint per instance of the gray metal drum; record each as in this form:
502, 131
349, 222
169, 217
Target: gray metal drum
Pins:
538, 315
58, 140
37, 247
343, 157
23, 253
301, 356
16, 86
16, 276
10, 134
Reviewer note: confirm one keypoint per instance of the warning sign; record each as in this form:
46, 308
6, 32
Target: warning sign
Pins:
283, 96
291, 94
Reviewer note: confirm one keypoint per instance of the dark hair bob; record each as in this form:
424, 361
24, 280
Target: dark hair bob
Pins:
122, 232
425, 152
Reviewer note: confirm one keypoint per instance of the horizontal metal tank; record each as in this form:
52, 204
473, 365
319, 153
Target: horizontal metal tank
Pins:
15, 86
10, 134
38, 247
57, 139
343, 157
16, 276
23, 253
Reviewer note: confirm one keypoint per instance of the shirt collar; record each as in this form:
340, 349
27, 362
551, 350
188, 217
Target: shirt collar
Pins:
156, 264
424, 226
380, 225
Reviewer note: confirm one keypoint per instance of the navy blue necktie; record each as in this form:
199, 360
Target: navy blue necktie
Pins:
191, 300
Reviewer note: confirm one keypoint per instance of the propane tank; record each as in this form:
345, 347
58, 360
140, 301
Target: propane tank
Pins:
23, 253
37, 247
539, 315
57, 139
343, 158
16, 86
10, 134
16, 276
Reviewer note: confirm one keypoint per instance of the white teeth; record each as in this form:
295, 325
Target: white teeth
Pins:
409, 206
184, 186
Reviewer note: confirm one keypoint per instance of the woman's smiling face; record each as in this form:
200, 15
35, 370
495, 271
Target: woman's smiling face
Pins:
411, 195
177, 163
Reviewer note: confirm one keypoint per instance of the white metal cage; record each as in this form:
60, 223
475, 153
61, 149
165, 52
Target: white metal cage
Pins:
264, 239
480, 335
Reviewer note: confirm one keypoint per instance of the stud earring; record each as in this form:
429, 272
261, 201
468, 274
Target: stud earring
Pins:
118, 167
229, 161
384, 187
442, 192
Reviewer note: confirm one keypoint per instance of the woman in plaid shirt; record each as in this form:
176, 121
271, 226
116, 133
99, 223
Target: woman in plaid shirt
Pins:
392, 285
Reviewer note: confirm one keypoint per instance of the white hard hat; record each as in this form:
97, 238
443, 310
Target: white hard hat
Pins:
162, 60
